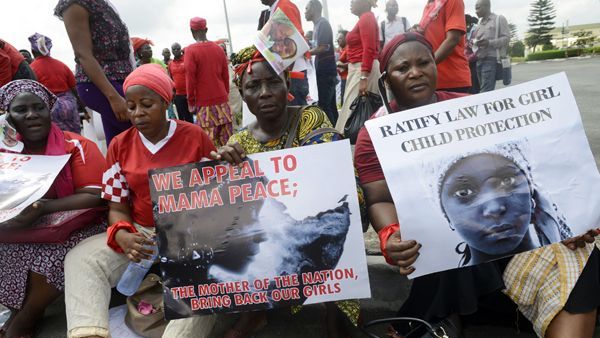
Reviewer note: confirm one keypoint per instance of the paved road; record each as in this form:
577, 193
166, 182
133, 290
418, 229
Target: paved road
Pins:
584, 76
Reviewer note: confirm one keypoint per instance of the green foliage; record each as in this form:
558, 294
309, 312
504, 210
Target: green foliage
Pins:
584, 38
546, 55
592, 50
541, 22
517, 49
547, 46
572, 52
513, 31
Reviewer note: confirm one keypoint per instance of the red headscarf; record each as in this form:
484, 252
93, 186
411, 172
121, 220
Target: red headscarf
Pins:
137, 43
390, 47
153, 77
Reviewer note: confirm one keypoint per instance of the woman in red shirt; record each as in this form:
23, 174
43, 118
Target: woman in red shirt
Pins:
57, 77
97, 265
32, 273
363, 52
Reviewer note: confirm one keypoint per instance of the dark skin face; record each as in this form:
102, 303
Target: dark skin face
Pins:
145, 52
341, 40
358, 7
30, 116
176, 49
166, 53
310, 12
412, 75
147, 112
391, 8
482, 9
265, 93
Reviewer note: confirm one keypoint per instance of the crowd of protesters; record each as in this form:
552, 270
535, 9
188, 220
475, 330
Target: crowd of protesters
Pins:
445, 55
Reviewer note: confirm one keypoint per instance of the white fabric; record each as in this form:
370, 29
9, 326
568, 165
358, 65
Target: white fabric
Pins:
154, 148
393, 28
352, 85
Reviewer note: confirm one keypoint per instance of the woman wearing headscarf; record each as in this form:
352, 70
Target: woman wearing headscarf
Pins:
142, 48
541, 282
13, 65
104, 58
59, 79
266, 93
96, 265
32, 274
362, 52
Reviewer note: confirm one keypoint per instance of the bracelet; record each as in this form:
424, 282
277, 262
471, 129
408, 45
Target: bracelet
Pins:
111, 234
384, 235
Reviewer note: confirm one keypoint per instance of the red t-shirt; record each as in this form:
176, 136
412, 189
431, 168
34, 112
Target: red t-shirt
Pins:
454, 71
344, 59
177, 71
363, 42
53, 74
206, 74
130, 157
10, 59
365, 159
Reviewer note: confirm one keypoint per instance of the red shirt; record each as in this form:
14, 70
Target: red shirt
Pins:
177, 71
344, 59
130, 157
207, 74
363, 42
454, 71
365, 159
292, 13
10, 59
53, 74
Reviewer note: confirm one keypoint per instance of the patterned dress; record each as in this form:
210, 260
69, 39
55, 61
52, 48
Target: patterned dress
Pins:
312, 118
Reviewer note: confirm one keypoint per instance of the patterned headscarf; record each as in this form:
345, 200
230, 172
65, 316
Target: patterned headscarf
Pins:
10, 90
41, 44
242, 61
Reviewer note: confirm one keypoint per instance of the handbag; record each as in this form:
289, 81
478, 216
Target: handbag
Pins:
56, 227
153, 324
362, 108
503, 65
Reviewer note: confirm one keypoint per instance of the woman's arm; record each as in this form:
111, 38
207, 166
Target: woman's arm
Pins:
76, 20
382, 213
453, 37
133, 244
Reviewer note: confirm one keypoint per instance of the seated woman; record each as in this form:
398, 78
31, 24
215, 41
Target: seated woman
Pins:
409, 71
278, 126
97, 264
32, 274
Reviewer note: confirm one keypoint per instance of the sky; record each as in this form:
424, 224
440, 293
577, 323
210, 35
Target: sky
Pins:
167, 21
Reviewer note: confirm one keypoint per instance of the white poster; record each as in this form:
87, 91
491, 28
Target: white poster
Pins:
487, 176
25, 179
282, 229
280, 42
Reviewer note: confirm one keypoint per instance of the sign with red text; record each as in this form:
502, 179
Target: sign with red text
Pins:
25, 179
487, 176
282, 229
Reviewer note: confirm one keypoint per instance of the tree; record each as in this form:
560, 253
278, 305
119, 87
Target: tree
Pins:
584, 38
513, 31
517, 49
541, 22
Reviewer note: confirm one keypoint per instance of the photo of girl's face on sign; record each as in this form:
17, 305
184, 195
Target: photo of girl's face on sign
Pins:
490, 200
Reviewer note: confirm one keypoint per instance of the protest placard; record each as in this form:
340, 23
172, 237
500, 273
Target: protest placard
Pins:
491, 175
282, 229
280, 42
25, 179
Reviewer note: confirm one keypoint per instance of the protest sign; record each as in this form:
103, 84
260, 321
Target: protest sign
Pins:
280, 42
9, 137
491, 175
283, 229
25, 179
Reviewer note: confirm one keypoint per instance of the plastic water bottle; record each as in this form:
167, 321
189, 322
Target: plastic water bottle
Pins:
135, 273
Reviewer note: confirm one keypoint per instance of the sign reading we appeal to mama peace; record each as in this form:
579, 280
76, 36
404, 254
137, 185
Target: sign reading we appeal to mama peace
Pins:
487, 176
282, 229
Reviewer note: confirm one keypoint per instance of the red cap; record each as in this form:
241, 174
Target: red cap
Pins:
197, 23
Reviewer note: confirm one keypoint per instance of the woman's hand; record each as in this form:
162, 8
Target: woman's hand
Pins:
404, 253
134, 245
233, 154
119, 107
580, 241
362, 86
27, 217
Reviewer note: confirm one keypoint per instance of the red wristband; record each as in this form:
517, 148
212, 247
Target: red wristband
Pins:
111, 234
384, 234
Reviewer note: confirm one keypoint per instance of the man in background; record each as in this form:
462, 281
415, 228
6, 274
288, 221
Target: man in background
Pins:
490, 40
166, 53
342, 64
392, 25
177, 73
323, 50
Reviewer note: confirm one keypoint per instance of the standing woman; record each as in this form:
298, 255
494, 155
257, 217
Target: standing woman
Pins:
13, 65
104, 58
363, 52
59, 79
32, 273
